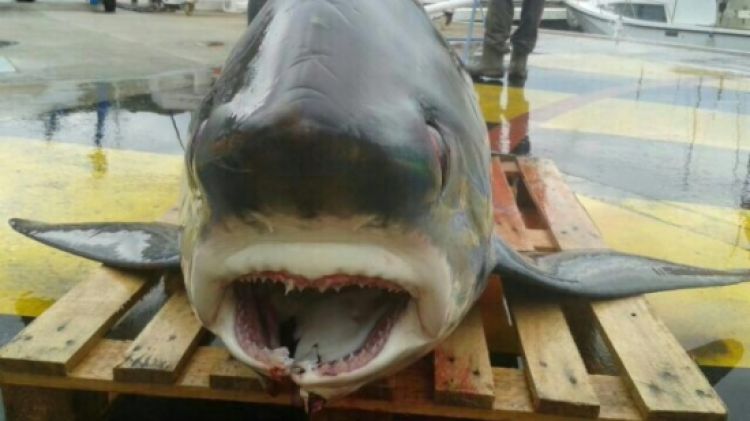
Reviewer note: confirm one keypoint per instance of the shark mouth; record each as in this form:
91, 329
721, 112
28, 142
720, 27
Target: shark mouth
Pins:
330, 308
331, 325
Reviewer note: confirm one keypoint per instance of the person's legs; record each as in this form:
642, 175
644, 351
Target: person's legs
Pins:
496, 33
190, 6
498, 22
524, 37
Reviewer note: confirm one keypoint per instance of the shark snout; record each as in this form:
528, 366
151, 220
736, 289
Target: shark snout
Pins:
295, 162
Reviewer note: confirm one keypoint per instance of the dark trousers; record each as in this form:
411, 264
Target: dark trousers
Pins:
500, 19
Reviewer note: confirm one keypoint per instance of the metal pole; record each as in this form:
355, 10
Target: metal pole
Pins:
470, 34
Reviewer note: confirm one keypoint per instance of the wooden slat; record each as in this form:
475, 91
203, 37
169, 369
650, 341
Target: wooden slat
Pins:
231, 374
664, 380
595, 352
542, 240
62, 335
463, 374
500, 334
511, 397
510, 166
557, 376
164, 346
36, 404
508, 220
379, 389
614, 398
570, 225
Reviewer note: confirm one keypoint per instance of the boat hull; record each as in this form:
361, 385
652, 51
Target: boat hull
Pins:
590, 21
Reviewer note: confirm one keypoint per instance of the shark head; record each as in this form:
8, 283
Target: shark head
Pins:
336, 212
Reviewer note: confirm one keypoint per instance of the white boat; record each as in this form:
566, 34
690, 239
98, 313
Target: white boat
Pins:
720, 24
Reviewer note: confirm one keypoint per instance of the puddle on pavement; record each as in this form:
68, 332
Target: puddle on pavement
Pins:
685, 138
146, 115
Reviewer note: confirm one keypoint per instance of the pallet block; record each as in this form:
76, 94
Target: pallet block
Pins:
637, 369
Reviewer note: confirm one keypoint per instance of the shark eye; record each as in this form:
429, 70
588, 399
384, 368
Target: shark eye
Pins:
440, 149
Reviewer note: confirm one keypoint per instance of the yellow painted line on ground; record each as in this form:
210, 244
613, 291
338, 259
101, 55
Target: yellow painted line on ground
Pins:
501, 103
731, 226
607, 65
68, 183
729, 83
636, 68
653, 121
712, 322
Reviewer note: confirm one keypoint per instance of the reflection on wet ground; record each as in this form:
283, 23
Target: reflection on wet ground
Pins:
151, 115
656, 142
691, 135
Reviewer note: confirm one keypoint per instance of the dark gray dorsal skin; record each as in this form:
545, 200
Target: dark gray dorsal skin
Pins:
335, 117
343, 137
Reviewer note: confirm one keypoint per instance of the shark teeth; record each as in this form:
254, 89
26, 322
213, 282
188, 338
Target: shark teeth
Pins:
289, 285
301, 329
331, 282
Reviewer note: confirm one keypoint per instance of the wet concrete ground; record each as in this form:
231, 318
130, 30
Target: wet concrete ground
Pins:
655, 140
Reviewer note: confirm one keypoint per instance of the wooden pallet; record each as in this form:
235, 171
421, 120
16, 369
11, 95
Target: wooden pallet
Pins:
609, 360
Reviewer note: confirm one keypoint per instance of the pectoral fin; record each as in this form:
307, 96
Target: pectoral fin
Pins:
129, 245
606, 273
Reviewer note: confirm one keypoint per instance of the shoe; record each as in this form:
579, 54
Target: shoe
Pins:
517, 70
522, 148
490, 66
